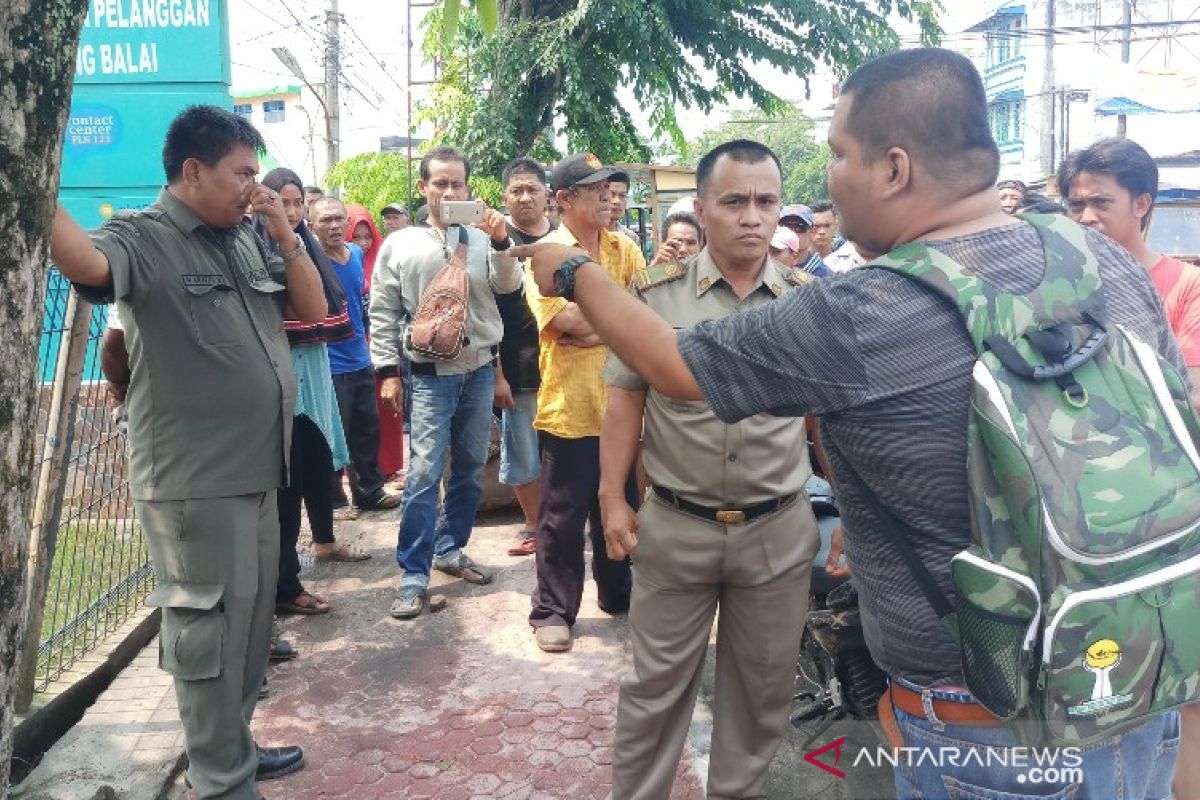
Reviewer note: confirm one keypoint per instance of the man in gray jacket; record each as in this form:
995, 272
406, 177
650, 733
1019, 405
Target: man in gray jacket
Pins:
452, 399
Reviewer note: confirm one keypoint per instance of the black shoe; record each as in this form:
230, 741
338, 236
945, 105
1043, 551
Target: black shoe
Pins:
264, 690
282, 650
275, 762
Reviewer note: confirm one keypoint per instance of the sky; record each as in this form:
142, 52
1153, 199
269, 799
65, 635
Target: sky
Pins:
374, 59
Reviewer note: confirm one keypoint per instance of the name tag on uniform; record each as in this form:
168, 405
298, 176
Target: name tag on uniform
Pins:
204, 280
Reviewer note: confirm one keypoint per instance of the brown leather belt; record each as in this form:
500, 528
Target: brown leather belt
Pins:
947, 711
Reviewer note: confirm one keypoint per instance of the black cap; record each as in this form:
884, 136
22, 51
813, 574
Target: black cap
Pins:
583, 169
399, 209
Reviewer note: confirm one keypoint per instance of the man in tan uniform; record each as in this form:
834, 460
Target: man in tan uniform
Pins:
726, 524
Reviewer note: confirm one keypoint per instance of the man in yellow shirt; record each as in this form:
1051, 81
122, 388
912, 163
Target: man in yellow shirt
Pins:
570, 408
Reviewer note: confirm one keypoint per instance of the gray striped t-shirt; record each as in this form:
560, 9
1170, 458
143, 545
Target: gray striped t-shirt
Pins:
887, 365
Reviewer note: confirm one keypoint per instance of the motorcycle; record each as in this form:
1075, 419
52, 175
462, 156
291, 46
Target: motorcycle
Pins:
835, 675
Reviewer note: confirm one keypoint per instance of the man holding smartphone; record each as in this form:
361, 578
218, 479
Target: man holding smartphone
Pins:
210, 400
452, 399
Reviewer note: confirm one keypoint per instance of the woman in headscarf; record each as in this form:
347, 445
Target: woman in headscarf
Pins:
361, 229
318, 442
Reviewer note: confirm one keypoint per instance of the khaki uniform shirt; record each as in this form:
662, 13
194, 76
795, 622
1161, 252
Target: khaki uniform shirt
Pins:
687, 448
212, 389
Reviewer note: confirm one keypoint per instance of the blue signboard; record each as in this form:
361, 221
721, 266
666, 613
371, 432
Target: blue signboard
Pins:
139, 63
154, 41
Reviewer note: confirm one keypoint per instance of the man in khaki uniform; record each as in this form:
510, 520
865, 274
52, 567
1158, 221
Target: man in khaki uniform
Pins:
210, 400
726, 524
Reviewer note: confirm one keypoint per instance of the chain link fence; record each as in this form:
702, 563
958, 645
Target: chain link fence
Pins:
99, 571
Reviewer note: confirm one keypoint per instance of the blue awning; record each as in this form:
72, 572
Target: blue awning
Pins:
1123, 105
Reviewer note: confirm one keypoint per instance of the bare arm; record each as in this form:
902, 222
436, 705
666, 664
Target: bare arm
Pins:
114, 363
618, 448
72, 251
572, 321
305, 295
639, 337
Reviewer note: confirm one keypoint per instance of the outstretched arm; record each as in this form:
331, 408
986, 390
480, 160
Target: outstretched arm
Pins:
639, 337
72, 251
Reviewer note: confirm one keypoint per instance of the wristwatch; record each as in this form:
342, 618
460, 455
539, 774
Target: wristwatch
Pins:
564, 276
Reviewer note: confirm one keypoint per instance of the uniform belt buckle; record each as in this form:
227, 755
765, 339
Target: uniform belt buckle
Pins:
731, 517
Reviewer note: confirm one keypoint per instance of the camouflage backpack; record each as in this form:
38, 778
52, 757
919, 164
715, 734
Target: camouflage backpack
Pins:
1078, 599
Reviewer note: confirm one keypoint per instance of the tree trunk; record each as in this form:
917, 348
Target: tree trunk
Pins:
38, 39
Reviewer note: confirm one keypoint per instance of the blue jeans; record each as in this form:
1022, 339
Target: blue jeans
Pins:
450, 414
1135, 765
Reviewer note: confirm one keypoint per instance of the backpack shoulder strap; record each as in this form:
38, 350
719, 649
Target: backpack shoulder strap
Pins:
459, 257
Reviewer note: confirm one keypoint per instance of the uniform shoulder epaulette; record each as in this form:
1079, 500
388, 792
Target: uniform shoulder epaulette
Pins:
798, 277
659, 274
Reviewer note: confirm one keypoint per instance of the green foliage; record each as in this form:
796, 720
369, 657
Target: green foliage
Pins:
790, 135
376, 179
552, 62
451, 9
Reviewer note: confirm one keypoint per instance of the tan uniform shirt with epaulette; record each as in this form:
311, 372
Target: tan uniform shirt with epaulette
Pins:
687, 448
212, 390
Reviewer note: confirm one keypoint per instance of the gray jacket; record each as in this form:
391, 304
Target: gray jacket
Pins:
407, 262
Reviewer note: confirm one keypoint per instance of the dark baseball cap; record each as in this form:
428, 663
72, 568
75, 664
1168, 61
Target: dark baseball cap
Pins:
399, 209
799, 211
582, 169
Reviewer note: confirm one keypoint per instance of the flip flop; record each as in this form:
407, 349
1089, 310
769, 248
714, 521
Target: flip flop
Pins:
315, 604
525, 544
342, 552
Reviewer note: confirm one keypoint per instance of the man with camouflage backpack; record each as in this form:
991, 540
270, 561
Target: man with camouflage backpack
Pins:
895, 371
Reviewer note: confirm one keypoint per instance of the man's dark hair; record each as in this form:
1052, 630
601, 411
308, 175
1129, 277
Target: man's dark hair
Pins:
743, 151
314, 190
444, 153
929, 102
821, 206
686, 219
1036, 203
524, 165
207, 134
1126, 161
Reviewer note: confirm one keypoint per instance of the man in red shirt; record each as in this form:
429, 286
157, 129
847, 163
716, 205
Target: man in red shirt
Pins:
1111, 187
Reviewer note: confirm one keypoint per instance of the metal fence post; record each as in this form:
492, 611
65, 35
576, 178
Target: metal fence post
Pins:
47, 508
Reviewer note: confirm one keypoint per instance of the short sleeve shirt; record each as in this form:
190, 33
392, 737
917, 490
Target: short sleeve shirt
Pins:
212, 390
351, 355
887, 364
1178, 284
572, 396
688, 449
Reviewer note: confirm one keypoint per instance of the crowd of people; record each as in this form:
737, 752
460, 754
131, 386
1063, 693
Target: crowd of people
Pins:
652, 410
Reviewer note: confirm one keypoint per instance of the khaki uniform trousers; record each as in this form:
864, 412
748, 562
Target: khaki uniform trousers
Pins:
215, 561
687, 569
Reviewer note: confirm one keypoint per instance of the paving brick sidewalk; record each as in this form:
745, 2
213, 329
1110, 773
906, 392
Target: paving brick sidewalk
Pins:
455, 704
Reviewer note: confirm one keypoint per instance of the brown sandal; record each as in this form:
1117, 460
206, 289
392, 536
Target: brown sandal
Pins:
342, 552
304, 603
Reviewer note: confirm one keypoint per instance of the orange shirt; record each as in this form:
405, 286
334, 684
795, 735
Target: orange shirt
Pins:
573, 395
1178, 285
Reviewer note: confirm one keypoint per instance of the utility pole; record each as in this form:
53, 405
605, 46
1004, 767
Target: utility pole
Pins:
332, 70
1126, 25
1048, 95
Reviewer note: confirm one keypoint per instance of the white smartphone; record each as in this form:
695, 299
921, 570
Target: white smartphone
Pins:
462, 212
